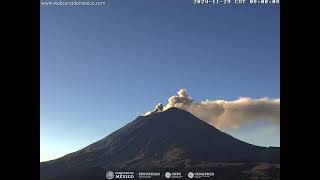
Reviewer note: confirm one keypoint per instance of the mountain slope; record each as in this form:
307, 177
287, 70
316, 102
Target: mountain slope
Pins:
170, 139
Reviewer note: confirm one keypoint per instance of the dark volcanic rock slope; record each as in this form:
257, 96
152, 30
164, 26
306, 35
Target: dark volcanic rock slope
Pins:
170, 139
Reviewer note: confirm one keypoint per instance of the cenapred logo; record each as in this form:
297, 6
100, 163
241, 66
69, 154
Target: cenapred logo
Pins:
200, 175
109, 175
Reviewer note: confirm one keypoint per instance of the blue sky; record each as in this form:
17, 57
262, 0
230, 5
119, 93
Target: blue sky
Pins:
103, 66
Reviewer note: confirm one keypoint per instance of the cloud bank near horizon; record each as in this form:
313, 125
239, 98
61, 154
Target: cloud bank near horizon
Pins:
225, 114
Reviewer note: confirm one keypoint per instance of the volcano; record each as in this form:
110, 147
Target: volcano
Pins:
170, 140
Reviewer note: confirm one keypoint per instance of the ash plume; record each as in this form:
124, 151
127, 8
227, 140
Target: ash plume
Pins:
225, 114
158, 108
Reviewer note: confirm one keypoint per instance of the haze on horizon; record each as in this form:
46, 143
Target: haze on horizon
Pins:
101, 67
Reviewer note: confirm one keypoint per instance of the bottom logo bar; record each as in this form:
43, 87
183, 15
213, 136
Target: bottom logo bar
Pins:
157, 175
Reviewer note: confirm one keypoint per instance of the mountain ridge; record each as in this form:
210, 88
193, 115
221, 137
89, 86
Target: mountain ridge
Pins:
172, 139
